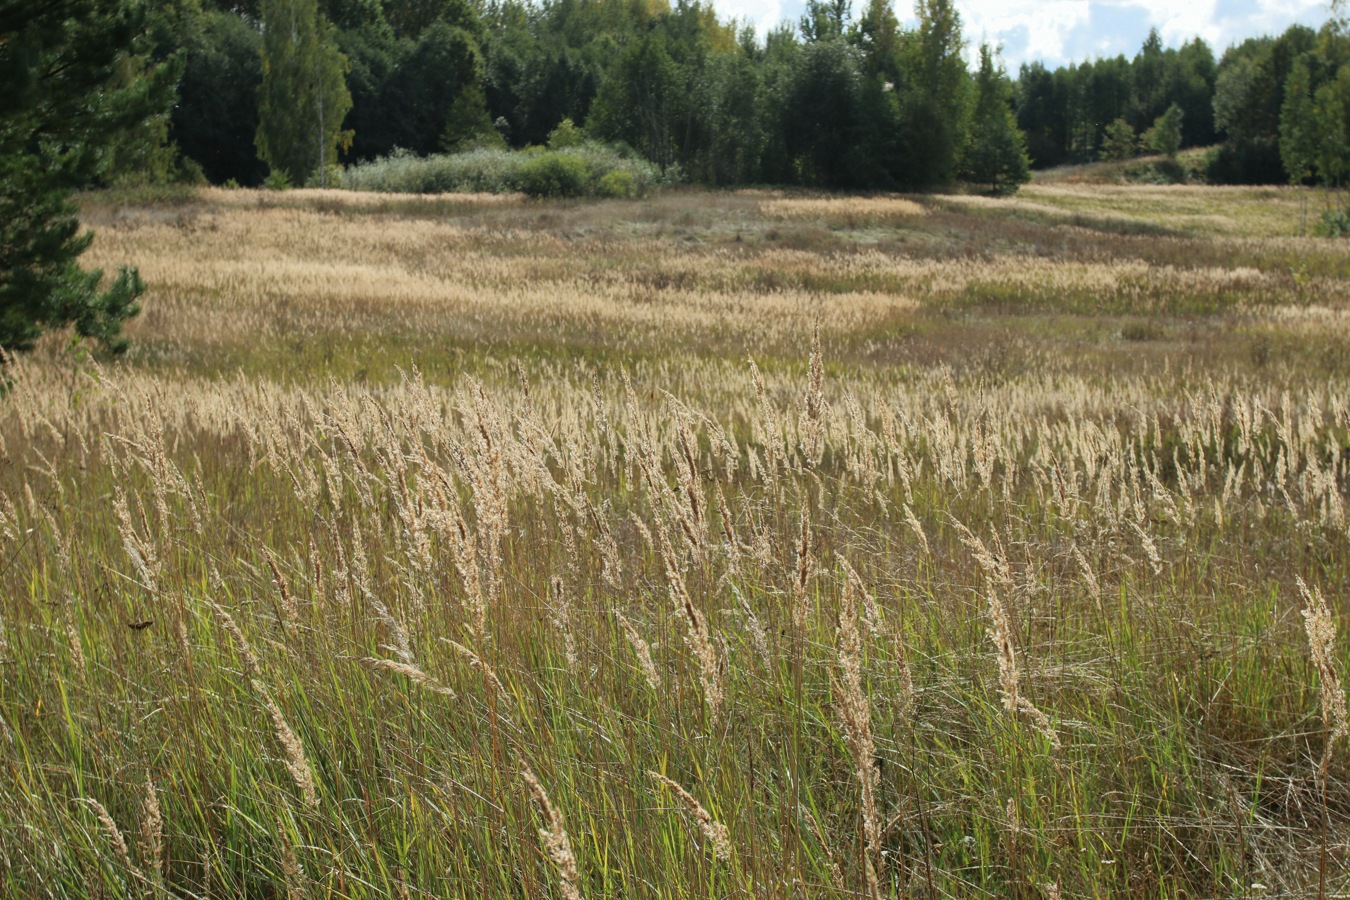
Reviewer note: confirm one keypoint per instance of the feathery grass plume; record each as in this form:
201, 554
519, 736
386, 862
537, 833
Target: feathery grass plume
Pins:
151, 844
251, 664
1150, 548
477, 662
292, 872
714, 832
1321, 631
693, 513
1009, 675
402, 645
119, 843
916, 527
757, 633
560, 610
855, 720
836, 873
801, 595
9, 517
73, 635
772, 434
290, 613
728, 527
994, 566
611, 571
141, 550
697, 637
642, 651
1089, 577
487, 474
554, 839
411, 672
813, 441
296, 761
871, 613
464, 548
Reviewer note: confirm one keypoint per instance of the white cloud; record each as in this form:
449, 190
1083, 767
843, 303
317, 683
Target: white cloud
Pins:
763, 14
1061, 31
1028, 29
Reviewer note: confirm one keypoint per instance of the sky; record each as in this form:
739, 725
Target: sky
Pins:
1058, 32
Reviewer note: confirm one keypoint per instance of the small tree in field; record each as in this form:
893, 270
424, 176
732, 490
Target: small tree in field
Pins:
1119, 143
1165, 135
304, 95
996, 152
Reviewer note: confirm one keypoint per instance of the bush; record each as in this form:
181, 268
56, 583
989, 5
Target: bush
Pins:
1334, 223
587, 169
619, 183
277, 180
555, 175
566, 136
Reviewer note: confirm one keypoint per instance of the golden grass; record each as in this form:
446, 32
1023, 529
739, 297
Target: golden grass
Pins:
515, 549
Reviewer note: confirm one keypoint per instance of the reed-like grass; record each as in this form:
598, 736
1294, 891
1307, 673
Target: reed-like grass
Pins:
954, 600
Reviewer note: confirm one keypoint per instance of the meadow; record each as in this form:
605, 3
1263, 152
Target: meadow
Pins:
753, 543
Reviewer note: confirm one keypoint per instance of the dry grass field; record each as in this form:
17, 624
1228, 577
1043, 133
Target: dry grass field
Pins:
720, 544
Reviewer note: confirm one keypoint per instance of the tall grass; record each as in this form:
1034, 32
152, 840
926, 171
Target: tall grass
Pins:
553, 620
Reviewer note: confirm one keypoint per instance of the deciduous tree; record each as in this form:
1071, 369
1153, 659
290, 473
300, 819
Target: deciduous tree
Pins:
304, 95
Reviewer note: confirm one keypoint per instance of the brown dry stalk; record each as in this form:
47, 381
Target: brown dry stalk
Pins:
554, 839
716, 834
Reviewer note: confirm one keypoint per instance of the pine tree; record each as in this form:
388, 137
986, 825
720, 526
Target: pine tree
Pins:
936, 105
62, 103
996, 154
304, 95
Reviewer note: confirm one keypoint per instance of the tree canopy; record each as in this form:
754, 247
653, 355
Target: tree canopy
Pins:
65, 104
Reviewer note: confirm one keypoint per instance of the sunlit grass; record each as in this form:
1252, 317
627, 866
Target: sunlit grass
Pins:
438, 547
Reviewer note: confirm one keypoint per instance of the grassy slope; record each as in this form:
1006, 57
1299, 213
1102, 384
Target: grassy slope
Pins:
1105, 428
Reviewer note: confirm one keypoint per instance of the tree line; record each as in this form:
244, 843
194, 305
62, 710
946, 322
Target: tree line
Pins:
1273, 109
835, 100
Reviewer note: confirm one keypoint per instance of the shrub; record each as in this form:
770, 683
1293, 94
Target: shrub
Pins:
579, 170
566, 136
555, 175
619, 183
1333, 223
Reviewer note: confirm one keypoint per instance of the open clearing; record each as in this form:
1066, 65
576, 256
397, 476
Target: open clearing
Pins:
752, 543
